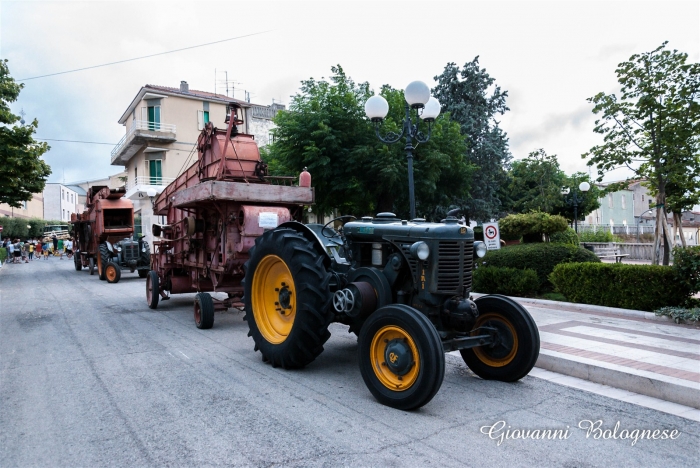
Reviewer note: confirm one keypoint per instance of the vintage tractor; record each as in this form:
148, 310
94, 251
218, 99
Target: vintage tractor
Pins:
104, 236
402, 286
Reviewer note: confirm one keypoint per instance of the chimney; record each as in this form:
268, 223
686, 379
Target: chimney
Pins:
184, 87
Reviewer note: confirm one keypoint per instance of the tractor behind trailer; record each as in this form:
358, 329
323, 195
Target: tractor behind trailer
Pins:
402, 286
104, 236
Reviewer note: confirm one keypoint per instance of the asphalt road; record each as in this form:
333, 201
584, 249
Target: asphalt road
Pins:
89, 376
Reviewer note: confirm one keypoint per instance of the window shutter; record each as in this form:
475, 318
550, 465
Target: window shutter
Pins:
200, 120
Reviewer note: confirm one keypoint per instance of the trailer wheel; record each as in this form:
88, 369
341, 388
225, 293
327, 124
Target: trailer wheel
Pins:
401, 357
518, 344
287, 298
113, 272
91, 260
77, 261
142, 273
203, 311
102, 261
152, 289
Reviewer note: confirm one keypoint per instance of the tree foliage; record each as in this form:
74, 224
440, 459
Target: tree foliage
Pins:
532, 227
653, 128
22, 171
472, 99
326, 131
535, 184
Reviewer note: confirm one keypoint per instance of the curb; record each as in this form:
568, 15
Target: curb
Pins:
572, 306
666, 391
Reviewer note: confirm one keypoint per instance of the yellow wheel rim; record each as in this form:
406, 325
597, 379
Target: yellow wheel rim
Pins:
111, 273
504, 353
274, 299
381, 351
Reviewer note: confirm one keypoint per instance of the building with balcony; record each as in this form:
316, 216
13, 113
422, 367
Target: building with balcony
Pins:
162, 126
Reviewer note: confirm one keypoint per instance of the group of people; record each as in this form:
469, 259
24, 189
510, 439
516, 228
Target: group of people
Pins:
32, 249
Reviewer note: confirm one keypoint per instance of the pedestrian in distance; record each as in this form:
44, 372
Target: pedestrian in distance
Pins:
39, 249
30, 250
10, 252
60, 248
46, 250
69, 247
54, 239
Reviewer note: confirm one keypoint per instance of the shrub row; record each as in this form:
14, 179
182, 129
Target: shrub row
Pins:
638, 287
23, 228
686, 263
507, 281
542, 258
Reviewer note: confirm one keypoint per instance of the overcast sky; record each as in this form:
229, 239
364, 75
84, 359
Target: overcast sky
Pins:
549, 56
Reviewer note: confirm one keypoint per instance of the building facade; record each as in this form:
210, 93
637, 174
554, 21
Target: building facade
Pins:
33, 208
616, 209
60, 201
162, 126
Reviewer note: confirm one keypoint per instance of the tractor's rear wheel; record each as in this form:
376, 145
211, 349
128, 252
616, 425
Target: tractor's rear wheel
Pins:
142, 273
102, 261
113, 272
152, 289
517, 344
77, 261
203, 311
401, 357
286, 298
91, 260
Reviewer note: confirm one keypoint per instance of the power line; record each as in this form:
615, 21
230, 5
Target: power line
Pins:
77, 141
145, 56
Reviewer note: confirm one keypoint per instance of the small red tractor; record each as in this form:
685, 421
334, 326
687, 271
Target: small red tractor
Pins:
402, 286
104, 236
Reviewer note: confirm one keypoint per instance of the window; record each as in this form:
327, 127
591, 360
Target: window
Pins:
63, 195
136, 175
642, 197
155, 172
138, 230
24, 205
610, 200
151, 114
64, 215
624, 202
202, 119
649, 203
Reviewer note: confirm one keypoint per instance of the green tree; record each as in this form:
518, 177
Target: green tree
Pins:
653, 128
535, 183
326, 131
22, 172
590, 200
473, 100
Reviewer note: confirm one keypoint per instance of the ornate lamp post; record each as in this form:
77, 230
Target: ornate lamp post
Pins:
418, 98
576, 198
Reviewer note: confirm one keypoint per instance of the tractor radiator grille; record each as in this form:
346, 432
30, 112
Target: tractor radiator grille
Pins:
454, 267
130, 252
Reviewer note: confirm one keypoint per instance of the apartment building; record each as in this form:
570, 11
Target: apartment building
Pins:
162, 126
33, 208
60, 201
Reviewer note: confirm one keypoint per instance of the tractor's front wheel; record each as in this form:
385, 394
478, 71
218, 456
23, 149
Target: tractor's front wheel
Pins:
113, 272
91, 261
287, 298
152, 289
77, 261
203, 311
517, 344
401, 357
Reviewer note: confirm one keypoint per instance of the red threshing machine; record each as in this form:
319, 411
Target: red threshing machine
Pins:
104, 236
215, 210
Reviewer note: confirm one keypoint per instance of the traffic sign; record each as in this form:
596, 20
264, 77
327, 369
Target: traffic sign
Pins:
492, 236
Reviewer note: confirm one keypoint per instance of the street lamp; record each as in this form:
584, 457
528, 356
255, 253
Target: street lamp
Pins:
575, 199
639, 220
418, 97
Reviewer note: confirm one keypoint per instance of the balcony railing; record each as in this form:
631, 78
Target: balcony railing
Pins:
146, 180
142, 126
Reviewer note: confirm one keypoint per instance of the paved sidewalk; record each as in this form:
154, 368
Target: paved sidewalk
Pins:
632, 351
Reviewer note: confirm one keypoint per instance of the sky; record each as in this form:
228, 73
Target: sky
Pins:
549, 56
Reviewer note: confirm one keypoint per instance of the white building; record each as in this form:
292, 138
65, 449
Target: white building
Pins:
60, 201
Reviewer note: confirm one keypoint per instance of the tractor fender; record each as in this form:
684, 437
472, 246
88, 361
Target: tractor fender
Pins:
321, 243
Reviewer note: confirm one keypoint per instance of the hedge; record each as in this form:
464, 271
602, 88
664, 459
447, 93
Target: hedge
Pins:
638, 287
565, 237
542, 258
507, 281
686, 264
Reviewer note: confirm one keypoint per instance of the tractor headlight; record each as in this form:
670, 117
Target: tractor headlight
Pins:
420, 250
144, 250
119, 249
479, 249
